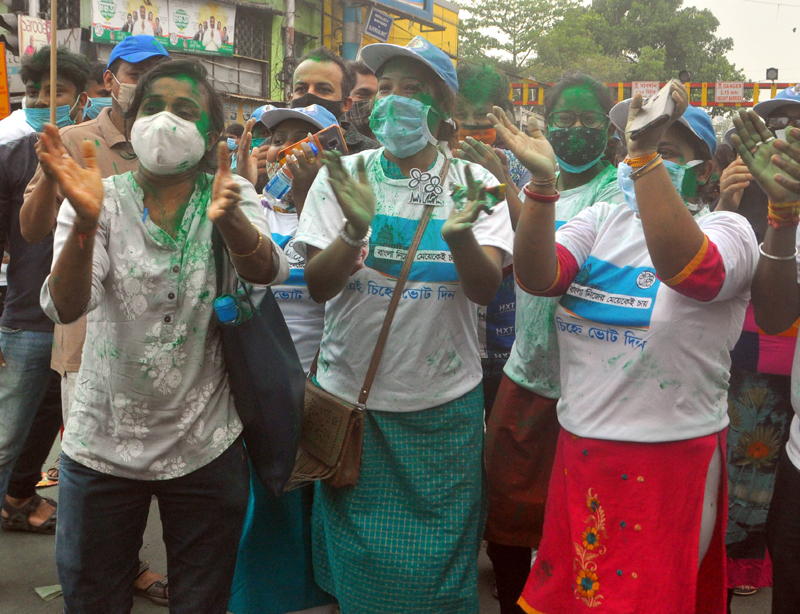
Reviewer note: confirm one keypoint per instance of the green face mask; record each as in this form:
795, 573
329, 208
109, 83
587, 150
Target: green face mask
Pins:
684, 178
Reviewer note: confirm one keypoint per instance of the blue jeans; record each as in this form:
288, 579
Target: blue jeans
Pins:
23, 383
101, 519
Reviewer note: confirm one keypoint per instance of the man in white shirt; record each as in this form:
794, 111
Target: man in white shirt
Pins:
212, 40
143, 26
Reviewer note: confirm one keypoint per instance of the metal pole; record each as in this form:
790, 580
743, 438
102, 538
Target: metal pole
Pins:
288, 50
53, 46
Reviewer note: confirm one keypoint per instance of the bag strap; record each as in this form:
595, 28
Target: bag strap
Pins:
398, 292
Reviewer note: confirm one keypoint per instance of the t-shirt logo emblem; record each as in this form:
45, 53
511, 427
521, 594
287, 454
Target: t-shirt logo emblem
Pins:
645, 280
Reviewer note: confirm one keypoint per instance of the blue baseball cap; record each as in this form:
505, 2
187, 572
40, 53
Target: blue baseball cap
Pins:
377, 54
135, 49
694, 118
313, 114
787, 96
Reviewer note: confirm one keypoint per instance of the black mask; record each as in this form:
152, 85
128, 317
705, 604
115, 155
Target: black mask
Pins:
334, 106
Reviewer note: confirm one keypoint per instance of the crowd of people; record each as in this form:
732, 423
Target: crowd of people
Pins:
588, 366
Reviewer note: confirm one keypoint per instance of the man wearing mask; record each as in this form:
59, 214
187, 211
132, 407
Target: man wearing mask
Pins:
322, 78
128, 61
365, 87
99, 93
27, 425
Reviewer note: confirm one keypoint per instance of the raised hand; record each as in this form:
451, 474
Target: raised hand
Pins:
225, 193
768, 159
52, 138
461, 220
732, 183
647, 142
355, 195
534, 152
83, 187
247, 162
304, 165
472, 150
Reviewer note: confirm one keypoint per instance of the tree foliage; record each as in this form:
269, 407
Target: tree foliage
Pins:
508, 31
612, 40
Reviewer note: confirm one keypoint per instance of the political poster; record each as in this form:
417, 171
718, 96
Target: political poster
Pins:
201, 27
190, 26
34, 34
115, 20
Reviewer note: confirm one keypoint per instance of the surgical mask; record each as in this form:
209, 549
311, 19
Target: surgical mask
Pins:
683, 176
232, 144
307, 99
96, 105
37, 117
401, 125
126, 91
256, 143
359, 113
577, 149
167, 144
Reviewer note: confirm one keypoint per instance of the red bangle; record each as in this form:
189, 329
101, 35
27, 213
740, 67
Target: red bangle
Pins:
541, 198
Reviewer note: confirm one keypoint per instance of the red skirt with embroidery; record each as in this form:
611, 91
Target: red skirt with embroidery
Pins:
622, 530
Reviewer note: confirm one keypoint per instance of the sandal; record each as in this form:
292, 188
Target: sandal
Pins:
18, 517
745, 591
157, 591
52, 473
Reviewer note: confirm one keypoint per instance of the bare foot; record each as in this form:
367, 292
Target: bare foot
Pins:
37, 518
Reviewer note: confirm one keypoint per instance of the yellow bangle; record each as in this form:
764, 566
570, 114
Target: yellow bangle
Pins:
260, 240
641, 160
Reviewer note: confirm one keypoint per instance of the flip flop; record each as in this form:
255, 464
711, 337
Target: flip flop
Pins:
157, 591
18, 517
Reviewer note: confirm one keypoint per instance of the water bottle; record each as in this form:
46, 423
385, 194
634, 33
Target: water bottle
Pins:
281, 183
227, 308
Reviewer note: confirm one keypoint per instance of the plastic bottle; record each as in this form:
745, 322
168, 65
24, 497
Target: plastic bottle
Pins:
281, 182
227, 309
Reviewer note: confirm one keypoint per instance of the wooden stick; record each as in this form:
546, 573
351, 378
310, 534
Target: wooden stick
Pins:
53, 70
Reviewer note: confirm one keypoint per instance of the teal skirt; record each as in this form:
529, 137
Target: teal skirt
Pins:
274, 573
405, 539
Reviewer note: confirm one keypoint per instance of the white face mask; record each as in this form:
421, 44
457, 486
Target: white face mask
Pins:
166, 144
126, 91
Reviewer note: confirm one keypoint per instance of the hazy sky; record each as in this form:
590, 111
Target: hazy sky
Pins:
762, 35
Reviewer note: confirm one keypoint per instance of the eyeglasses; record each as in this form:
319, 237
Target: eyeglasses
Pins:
566, 119
778, 123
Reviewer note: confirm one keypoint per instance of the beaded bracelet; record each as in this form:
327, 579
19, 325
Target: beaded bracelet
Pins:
641, 160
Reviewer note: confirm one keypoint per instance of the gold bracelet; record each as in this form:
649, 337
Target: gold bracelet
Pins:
638, 174
260, 239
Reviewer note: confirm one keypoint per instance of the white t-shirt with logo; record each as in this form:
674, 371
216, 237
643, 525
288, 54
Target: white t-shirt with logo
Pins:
534, 360
303, 316
431, 356
640, 361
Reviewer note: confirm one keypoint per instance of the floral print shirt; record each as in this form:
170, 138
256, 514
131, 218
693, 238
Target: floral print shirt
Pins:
152, 400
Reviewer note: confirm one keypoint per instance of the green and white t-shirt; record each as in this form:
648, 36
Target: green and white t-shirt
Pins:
534, 359
431, 356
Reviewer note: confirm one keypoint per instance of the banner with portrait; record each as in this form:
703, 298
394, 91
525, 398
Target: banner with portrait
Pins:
114, 20
189, 26
201, 27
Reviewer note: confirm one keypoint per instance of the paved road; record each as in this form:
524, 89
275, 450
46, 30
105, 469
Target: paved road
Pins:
27, 562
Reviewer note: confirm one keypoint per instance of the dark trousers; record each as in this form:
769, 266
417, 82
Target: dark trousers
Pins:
101, 519
512, 565
783, 537
27, 469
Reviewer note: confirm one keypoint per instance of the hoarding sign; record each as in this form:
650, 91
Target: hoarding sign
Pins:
190, 26
729, 91
34, 34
